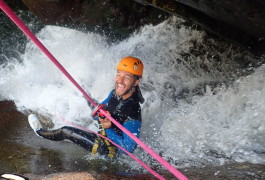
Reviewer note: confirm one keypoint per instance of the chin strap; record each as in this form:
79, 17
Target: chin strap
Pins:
137, 91
126, 93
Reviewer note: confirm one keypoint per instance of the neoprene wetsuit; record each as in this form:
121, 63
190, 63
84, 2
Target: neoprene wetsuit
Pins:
127, 112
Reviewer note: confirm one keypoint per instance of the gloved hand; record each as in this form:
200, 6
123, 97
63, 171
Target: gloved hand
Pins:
105, 122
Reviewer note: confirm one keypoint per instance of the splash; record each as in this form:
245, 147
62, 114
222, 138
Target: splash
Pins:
224, 124
197, 107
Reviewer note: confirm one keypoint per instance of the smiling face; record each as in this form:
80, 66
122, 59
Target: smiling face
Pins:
124, 82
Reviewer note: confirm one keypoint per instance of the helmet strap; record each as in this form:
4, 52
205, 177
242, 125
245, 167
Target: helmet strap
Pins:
127, 92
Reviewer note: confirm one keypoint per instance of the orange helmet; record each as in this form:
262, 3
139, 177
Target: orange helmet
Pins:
131, 65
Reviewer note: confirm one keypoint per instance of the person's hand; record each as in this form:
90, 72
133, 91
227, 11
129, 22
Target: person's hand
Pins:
105, 122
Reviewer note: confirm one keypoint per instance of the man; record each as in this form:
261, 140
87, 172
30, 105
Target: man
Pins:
122, 104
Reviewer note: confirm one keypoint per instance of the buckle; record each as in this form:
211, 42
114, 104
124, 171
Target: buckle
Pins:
100, 106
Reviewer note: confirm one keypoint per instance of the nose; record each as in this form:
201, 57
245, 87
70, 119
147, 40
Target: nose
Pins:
119, 79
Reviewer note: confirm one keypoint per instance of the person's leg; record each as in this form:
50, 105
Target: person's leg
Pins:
82, 138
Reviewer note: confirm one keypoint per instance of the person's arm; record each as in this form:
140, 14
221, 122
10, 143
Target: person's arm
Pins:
124, 140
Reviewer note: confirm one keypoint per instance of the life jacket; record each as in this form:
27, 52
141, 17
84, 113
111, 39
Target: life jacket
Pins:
120, 110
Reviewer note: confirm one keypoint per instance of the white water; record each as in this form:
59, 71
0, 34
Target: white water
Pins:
221, 125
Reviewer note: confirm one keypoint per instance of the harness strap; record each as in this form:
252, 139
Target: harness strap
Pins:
111, 148
98, 142
95, 147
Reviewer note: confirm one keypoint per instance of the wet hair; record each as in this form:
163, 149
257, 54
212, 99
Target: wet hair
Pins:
137, 77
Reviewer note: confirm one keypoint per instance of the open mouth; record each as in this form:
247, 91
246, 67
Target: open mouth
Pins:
120, 87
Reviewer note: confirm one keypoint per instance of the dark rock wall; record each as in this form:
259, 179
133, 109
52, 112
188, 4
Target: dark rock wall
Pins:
236, 20
247, 15
240, 21
113, 17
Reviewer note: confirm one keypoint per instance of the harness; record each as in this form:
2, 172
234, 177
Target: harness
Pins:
100, 142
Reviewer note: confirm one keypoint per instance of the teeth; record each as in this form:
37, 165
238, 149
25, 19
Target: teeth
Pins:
120, 86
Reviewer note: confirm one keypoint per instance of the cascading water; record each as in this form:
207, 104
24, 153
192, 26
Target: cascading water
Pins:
198, 109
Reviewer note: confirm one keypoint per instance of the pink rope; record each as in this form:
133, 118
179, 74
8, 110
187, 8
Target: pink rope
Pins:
163, 162
127, 152
26, 30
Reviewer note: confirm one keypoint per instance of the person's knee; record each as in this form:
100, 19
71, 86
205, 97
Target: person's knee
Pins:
55, 135
67, 131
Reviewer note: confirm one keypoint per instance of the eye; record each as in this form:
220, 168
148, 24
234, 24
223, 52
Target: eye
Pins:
127, 77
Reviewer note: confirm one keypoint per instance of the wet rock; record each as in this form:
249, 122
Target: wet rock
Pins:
238, 21
111, 17
87, 176
66, 176
22, 152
